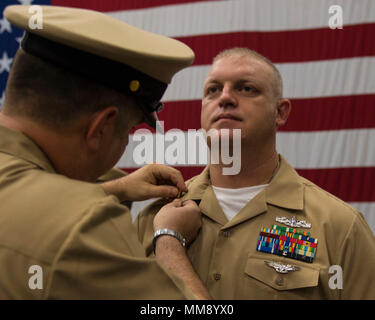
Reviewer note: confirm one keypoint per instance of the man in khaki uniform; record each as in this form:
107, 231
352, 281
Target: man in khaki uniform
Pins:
244, 250
77, 87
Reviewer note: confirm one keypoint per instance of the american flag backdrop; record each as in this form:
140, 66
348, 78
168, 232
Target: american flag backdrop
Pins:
329, 74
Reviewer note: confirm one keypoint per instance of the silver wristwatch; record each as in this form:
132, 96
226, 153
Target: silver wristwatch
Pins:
168, 232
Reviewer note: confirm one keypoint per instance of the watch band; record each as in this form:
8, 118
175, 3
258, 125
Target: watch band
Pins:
168, 232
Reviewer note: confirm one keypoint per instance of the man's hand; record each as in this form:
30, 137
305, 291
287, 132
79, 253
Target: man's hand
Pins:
151, 181
183, 217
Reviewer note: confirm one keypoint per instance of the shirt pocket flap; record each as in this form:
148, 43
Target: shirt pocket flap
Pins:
306, 275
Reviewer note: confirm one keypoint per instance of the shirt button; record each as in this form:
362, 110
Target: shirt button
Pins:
217, 276
279, 281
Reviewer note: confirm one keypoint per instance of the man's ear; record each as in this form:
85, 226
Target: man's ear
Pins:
284, 107
100, 126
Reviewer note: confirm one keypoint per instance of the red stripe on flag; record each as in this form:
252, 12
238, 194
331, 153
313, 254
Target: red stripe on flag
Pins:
313, 114
289, 46
333, 113
348, 184
116, 5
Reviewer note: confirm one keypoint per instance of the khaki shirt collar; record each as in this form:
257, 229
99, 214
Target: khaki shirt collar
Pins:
20, 146
285, 191
286, 188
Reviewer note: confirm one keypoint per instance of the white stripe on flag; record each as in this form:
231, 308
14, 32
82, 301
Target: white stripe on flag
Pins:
326, 78
303, 150
238, 15
328, 149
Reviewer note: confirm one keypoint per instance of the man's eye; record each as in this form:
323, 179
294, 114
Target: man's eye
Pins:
211, 90
247, 88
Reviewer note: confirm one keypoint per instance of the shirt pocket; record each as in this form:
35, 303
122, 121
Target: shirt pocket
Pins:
306, 276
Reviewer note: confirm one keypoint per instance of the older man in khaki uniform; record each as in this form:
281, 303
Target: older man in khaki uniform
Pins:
267, 233
77, 87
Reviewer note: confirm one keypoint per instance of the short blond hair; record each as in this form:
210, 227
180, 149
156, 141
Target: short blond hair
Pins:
246, 52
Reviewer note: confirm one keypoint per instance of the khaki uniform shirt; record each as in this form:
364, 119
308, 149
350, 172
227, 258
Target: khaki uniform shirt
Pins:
225, 256
66, 239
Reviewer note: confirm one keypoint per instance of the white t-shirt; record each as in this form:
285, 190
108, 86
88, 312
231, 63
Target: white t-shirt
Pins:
233, 200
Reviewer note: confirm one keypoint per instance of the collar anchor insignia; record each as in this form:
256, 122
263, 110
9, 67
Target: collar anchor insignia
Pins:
280, 267
293, 222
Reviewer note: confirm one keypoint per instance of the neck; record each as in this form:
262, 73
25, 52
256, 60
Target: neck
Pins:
60, 148
257, 168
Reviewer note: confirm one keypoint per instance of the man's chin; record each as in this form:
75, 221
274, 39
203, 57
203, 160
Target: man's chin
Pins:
226, 130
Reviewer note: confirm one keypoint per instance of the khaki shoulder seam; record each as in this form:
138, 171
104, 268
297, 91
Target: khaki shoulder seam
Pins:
312, 185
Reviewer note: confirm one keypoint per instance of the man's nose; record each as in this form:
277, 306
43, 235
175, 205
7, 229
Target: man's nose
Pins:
227, 98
